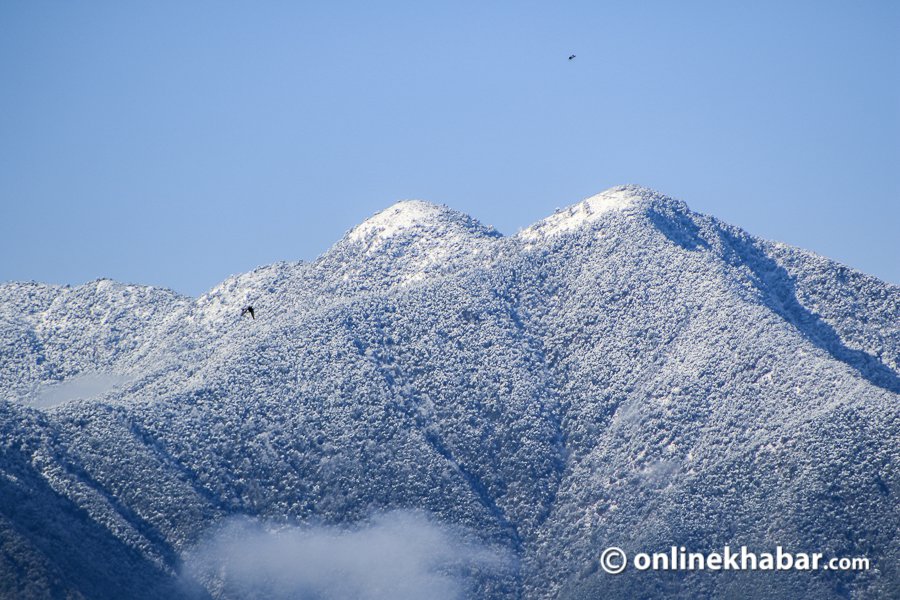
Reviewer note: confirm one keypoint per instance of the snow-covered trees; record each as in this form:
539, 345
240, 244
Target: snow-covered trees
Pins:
625, 372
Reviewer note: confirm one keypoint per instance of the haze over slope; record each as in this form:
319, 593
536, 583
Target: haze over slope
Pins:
624, 372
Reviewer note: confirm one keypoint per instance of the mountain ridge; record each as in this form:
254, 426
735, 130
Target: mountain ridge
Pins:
624, 372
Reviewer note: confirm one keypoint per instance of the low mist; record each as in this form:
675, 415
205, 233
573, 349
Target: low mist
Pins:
399, 555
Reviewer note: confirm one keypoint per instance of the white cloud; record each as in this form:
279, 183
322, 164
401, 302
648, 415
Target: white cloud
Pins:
400, 555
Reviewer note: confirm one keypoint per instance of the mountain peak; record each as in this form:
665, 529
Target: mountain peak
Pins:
419, 218
618, 199
409, 241
406, 214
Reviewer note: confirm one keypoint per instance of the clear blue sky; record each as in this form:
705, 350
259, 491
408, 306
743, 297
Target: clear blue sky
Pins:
175, 143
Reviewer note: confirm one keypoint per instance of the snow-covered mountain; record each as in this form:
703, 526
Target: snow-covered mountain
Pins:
622, 373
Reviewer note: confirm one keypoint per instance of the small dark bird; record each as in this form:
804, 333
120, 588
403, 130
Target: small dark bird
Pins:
571, 57
246, 310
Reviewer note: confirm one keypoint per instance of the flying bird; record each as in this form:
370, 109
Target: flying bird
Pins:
571, 56
246, 310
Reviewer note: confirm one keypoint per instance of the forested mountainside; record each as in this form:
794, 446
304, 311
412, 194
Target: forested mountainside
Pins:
623, 373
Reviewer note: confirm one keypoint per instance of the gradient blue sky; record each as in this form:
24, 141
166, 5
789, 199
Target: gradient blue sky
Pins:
175, 143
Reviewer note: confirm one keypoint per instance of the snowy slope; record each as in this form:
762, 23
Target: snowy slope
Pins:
624, 372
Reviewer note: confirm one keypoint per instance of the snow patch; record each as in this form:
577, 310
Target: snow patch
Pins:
423, 238
393, 220
80, 387
581, 214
